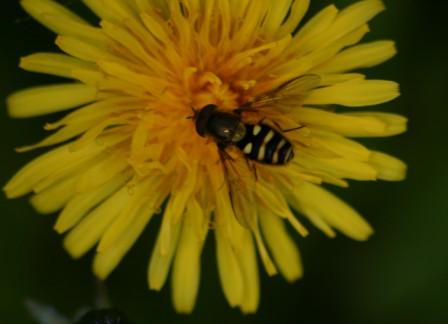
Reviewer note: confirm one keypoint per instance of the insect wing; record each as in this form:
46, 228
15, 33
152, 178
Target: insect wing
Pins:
240, 177
103, 316
45, 314
290, 93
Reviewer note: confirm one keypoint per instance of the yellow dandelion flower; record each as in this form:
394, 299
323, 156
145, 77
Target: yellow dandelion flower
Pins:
140, 136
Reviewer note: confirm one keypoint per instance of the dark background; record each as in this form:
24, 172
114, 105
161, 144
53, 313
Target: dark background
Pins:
399, 276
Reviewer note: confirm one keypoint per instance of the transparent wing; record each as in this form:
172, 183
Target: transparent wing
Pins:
289, 93
240, 176
45, 314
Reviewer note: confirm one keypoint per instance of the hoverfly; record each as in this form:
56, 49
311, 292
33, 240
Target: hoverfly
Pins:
103, 316
258, 142
45, 314
101, 313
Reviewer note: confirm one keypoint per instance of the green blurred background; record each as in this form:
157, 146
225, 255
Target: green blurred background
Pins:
399, 276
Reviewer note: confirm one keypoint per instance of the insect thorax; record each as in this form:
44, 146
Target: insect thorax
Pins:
224, 127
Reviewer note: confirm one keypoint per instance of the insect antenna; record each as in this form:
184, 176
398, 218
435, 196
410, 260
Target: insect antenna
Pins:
195, 113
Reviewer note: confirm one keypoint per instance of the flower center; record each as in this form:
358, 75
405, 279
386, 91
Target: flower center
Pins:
206, 87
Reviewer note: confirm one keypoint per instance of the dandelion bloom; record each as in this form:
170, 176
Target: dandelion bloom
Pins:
132, 145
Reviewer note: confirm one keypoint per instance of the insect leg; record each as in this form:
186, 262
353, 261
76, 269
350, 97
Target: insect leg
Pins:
252, 166
223, 153
224, 156
292, 129
288, 129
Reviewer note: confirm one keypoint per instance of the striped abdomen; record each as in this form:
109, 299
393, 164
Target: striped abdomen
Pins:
265, 145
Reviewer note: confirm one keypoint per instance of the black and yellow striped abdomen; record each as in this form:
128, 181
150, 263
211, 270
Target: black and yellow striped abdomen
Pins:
264, 144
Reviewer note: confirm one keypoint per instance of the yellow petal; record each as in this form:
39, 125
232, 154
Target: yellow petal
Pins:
389, 168
266, 259
341, 146
349, 19
327, 178
229, 269
166, 244
355, 94
186, 267
276, 16
333, 211
160, 263
102, 171
338, 167
49, 99
395, 124
60, 136
317, 220
332, 28
79, 164
249, 270
130, 42
297, 12
55, 64
315, 26
140, 198
89, 77
330, 79
151, 84
272, 200
62, 171
73, 28
87, 233
106, 261
55, 197
121, 9
98, 110
242, 203
115, 123
245, 36
144, 5
100, 9
153, 24
174, 211
282, 247
84, 50
344, 124
83, 202
361, 56
322, 55
38, 9
46, 165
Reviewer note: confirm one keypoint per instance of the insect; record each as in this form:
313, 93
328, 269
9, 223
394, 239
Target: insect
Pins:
103, 316
259, 142
101, 313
